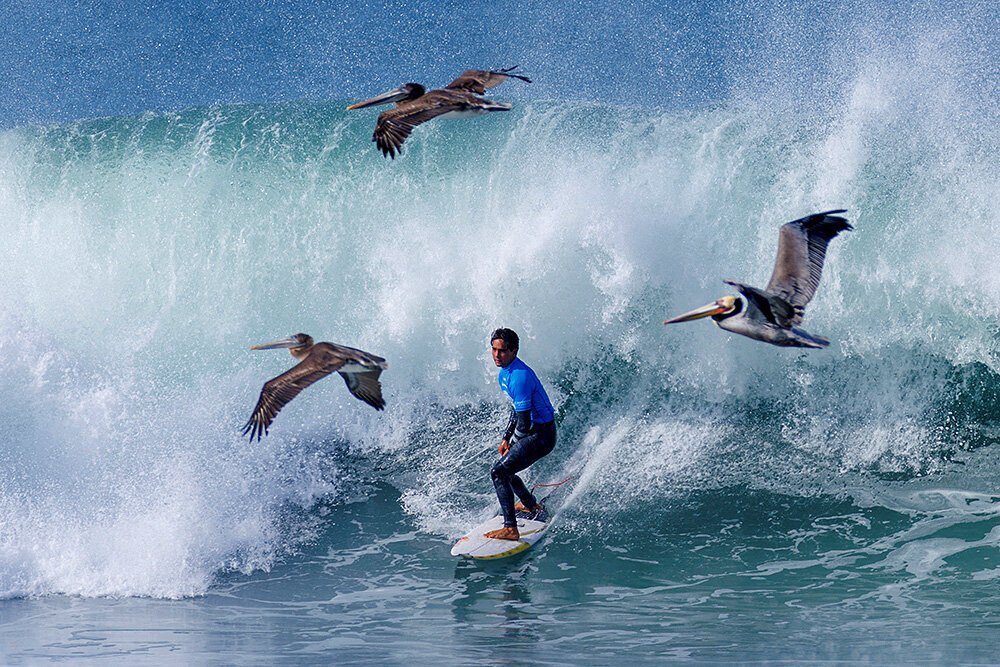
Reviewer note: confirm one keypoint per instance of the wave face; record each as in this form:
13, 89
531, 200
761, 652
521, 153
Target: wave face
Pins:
145, 254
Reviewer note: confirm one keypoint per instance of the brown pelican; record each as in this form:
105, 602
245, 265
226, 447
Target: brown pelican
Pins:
414, 106
771, 314
359, 369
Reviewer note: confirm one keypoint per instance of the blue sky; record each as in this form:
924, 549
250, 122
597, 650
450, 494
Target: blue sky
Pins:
80, 59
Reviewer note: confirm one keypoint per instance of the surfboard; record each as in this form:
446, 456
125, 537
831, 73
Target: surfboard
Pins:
530, 525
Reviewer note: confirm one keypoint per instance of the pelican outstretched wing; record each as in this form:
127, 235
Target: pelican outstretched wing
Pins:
395, 125
799, 264
365, 386
281, 390
478, 81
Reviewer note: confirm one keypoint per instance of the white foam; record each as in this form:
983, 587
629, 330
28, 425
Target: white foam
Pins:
147, 254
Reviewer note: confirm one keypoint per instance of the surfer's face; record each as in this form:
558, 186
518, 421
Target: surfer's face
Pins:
502, 355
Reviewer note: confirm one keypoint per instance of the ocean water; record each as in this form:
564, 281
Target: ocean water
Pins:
731, 501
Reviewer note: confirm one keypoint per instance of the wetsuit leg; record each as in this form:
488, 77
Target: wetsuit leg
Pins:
521, 454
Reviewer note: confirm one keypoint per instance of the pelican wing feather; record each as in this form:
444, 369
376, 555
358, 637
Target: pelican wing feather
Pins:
394, 126
279, 391
799, 264
365, 386
478, 81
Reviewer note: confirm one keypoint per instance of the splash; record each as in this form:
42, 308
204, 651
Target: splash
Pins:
145, 254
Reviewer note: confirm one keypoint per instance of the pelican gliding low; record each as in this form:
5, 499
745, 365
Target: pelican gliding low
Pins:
414, 106
772, 314
358, 368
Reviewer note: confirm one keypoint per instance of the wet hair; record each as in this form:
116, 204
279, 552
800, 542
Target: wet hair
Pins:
507, 336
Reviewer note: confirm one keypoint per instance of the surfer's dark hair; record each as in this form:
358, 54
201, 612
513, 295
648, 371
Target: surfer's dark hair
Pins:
507, 336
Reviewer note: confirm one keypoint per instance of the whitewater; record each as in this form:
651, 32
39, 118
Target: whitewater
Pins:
733, 501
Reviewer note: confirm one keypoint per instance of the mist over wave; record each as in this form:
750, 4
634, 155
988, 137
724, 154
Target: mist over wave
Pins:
145, 254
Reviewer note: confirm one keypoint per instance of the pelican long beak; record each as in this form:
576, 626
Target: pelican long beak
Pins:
723, 305
289, 342
394, 95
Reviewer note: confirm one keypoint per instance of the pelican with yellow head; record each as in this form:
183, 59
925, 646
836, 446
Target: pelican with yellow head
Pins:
772, 314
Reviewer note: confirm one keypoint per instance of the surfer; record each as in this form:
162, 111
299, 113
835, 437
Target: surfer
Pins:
530, 435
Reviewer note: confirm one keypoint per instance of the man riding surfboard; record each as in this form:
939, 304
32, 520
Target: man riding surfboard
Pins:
530, 434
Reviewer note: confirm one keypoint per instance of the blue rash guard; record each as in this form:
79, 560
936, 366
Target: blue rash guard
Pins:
525, 391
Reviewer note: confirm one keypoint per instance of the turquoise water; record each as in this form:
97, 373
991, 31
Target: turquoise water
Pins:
729, 575
733, 501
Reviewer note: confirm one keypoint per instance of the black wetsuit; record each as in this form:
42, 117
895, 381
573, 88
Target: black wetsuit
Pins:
528, 443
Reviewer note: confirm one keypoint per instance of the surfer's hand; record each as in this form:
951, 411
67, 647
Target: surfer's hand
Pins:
504, 446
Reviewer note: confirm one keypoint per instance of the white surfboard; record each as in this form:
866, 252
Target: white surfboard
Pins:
475, 545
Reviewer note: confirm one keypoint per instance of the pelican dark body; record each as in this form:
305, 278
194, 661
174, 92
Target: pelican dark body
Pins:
414, 106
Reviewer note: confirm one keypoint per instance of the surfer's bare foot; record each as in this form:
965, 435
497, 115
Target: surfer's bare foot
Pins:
519, 506
505, 533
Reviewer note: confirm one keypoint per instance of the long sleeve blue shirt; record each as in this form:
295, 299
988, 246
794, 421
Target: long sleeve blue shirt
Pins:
525, 391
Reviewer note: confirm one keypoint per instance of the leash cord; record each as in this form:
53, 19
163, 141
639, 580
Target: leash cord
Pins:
556, 484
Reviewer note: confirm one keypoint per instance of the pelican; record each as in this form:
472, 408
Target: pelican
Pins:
358, 368
771, 314
414, 106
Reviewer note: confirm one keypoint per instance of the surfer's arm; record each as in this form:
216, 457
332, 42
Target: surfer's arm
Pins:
520, 412
520, 394
522, 424
511, 426
518, 427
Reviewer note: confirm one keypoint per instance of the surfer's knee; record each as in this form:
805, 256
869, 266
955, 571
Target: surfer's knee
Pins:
499, 472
